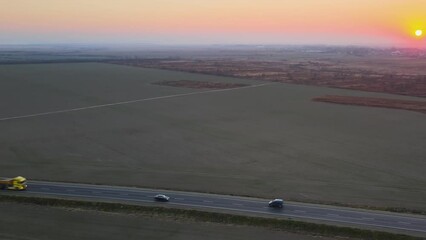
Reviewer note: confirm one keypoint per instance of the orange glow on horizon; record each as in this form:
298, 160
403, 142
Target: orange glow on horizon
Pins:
394, 20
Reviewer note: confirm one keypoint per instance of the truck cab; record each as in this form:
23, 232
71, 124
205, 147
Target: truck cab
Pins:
17, 183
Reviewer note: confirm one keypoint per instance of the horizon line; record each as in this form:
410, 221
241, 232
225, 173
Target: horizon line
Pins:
58, 44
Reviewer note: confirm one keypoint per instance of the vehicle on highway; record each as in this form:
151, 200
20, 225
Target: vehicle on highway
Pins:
161, 198
276, 203
17, 183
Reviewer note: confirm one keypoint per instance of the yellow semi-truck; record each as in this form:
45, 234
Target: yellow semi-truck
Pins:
17, 183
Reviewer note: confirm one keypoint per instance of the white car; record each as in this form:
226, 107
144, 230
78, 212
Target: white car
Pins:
161, 198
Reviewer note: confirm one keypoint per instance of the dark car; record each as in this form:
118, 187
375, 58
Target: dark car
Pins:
276, 203
161, 198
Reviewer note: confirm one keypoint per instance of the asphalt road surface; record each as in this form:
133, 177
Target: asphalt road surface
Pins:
412, 224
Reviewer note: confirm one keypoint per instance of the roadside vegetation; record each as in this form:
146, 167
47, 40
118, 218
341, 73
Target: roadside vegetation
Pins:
196, 215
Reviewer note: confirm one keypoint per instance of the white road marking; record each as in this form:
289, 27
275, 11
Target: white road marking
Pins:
128, 102
180, 198
348, 210
95, 189
241, 210
333, 215
406, 223
299, 211
148, 190
132, 190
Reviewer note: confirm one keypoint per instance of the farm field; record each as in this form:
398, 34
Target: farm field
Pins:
74, 122
344, 72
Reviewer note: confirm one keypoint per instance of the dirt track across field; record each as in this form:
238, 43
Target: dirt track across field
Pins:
418, 106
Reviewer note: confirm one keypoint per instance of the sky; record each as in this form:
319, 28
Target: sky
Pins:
173, 22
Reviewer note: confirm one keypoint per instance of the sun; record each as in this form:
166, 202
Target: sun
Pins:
419, 33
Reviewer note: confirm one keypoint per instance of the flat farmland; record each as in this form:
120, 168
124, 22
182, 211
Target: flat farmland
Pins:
111, 124
69, 223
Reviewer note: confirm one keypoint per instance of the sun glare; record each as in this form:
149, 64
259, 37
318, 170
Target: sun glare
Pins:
419, 33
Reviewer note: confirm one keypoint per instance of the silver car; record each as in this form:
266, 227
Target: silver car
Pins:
161, 198
276, 203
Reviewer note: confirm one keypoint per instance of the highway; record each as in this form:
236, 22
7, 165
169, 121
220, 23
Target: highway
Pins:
412, 224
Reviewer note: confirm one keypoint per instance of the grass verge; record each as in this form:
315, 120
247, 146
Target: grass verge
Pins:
271, 223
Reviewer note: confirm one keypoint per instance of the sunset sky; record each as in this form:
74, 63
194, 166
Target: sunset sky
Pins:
344, 22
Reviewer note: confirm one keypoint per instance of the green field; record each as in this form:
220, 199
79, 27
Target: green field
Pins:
67, 223
269, 141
